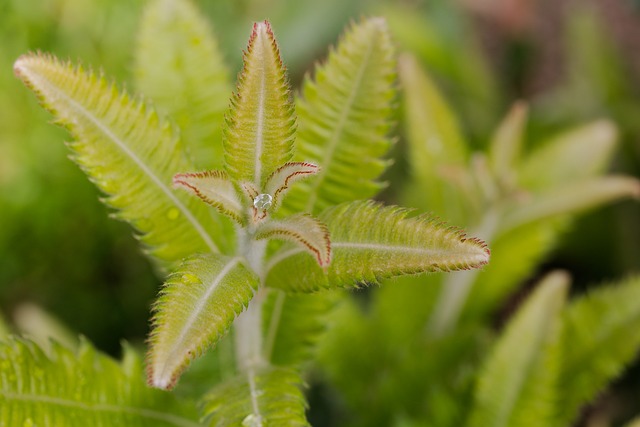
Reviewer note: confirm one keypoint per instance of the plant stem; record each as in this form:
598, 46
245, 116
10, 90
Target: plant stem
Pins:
248, 326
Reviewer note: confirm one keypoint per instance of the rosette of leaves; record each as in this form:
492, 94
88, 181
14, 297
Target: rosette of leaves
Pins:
281, 212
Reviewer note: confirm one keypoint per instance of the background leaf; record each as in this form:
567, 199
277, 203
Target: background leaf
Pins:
517, 385
79, 389
345, 115
180, 67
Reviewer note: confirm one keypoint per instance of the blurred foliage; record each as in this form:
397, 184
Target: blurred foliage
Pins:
60, 250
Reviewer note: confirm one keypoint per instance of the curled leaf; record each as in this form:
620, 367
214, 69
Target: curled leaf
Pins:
281, 180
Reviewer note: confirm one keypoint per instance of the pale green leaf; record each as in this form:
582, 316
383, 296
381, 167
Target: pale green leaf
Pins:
81, 389
571, 199
437, 152
305, 231
506, 144
180, 67
344, 117
634, 422
270, 397
516, 385
572, 156
129, 153
260, 127
214, 188
601, 337
370, 242
294, 324
195, 309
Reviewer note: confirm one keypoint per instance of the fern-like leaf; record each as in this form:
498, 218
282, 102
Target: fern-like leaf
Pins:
128, 152
195, 309
271, 397
601, 336
370, 242
260, 125
81, 389
516, 386
344, 116
180, 67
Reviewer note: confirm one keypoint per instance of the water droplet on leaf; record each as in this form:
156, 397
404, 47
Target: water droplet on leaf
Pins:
263, 201
173, 214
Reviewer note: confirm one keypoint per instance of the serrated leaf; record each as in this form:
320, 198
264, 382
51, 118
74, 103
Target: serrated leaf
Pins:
271, 397
180, 67
81, 389
344, 117
195, 309
571, 199
506, 144
370, 242
574, 155
260, 125
214, 188
282, 179
305, 231
601, 337
129, 153
294, 324
517, 384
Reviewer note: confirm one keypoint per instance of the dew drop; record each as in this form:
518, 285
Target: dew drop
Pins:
252, 420
190, 279
173, 214
263, 201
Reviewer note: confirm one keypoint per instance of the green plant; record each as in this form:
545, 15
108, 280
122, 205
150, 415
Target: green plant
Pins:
252, 253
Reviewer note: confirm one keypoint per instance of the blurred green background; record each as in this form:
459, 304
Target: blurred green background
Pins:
571, 60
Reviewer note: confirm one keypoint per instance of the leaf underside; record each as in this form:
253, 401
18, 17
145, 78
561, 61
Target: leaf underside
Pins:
180, 67
344, 117
83, 389
370, 242
129, 153
195, 309
260, 124
271, 397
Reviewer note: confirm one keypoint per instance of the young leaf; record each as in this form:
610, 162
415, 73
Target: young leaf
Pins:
572, 156
260, 127
128, 152
572, 198
601, 336
271, 397
345, 115
180, 67
214, 188
281, 180
304, 230
370, 242
195, 309
517, 383
81, 389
